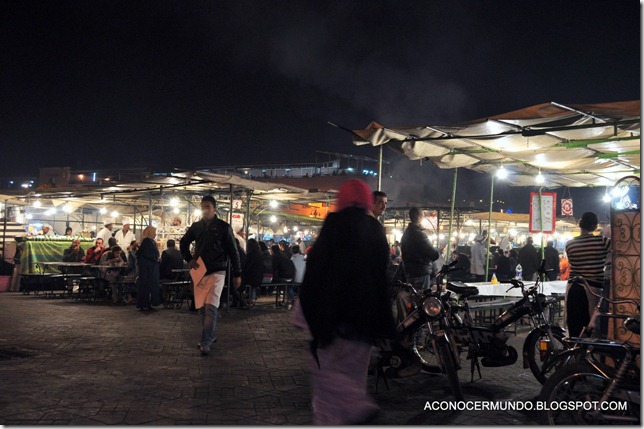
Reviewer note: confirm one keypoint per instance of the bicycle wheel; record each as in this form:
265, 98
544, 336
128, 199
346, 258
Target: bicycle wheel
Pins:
449, 368
423, 347
575, 382
541, 362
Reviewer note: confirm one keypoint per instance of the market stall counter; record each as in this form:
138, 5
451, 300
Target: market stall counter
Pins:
39, 250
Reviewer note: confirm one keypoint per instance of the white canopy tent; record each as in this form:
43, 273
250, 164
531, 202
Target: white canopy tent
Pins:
548, 145
573, 145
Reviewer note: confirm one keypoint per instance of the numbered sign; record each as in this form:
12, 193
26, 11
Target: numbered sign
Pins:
549, 212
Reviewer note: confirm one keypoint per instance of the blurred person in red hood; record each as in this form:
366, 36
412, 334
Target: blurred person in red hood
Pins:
345, 302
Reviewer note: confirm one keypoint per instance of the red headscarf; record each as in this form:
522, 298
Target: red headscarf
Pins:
354, 193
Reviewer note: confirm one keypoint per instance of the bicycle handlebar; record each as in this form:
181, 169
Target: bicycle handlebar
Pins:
584, 282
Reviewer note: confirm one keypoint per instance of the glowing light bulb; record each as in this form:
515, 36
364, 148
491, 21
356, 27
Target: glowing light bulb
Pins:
273, 219
502, 173
114, 214
37, 204
273, 204
539, 179
103, 210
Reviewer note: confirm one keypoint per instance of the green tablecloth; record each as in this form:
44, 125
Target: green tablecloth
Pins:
44, 251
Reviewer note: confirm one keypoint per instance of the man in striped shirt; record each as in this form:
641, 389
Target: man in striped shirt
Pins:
587, 256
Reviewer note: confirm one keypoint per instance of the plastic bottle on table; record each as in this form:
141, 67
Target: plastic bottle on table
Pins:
519, 270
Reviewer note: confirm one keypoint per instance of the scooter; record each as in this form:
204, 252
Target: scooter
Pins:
489, 343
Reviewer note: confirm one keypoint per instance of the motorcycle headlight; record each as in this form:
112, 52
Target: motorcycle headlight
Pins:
432, 307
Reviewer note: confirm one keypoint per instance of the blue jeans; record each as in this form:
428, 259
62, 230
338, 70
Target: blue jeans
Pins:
208, 314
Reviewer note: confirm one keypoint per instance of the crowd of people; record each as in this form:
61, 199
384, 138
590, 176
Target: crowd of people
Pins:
344, 299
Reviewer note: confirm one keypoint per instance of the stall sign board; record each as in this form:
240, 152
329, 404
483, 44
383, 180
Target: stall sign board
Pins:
549, 200
566, 207
238, 221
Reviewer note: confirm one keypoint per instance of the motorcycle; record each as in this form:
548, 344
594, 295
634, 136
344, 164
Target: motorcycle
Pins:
489, 343
426, 335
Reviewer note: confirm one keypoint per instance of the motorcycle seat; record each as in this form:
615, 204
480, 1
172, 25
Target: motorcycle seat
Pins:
462, 289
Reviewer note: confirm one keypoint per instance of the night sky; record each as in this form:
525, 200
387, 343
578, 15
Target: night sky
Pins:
96, 84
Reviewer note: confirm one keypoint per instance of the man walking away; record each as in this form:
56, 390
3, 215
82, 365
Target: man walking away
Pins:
417, 252
529, 260
552, 261
214, 243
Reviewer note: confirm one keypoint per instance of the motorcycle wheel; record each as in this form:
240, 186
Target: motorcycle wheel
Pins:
424, 349
449, 368
542, 369
578, 381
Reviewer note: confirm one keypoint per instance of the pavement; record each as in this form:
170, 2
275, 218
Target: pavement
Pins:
75, 363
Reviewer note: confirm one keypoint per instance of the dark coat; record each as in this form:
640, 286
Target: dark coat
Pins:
171, 260
417, 252
529, 260
283, 267
147, 259
551, 255
215, 243
344, 292
69, 255
267, 263
503, 271
253, 269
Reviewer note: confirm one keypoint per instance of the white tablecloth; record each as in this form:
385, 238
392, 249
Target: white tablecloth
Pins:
489, 289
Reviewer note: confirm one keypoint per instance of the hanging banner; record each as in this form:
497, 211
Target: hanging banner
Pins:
549, 200
566, 207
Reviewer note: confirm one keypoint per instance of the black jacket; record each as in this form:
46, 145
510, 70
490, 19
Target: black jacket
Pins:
345, 292
171, 260
283, 267
215, 243
529, 260
417, 252
551, 255
253, 269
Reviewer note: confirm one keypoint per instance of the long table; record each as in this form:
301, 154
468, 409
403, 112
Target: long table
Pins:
501, 289
39, 251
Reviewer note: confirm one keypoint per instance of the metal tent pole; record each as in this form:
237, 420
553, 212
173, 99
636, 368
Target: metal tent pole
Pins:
489, 226
380, 169
451, 217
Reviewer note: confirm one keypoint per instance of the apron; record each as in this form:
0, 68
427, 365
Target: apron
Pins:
209, 288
